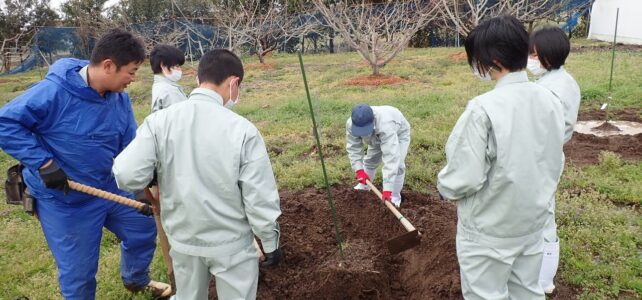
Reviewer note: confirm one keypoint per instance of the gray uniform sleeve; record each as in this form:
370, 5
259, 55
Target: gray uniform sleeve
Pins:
158, 101
354, 146
134, 167
390, 155
259, 191
467, 155
173, 96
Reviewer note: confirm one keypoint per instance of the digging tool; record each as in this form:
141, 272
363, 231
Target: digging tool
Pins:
162, 237
164, 243
408, 240
131, 203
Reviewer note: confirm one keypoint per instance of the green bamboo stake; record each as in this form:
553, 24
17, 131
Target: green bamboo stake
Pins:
325, 173
617, 16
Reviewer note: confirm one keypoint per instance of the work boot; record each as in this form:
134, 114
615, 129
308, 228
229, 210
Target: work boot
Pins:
158, 289
396, 201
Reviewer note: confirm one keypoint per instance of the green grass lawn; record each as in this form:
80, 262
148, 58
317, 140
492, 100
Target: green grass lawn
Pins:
598, 206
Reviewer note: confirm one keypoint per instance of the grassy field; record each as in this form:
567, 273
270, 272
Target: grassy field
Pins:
599, 218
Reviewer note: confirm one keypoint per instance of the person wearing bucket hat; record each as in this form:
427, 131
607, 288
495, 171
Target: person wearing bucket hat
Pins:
386, 132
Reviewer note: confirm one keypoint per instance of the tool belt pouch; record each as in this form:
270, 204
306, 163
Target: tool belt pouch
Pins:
14, 186
28, 202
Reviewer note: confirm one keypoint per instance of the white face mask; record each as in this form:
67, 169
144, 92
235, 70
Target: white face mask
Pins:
485, 77
175, 75
535, 67
230, 103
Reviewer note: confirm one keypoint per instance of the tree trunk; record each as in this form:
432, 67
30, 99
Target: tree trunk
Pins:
331, 42
375, 68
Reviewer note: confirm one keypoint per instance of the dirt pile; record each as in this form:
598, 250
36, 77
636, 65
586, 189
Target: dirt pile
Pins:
376, 80
312, 268
584, 149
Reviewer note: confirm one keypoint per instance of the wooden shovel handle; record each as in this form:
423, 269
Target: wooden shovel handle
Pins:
104, 194
392, 208
126, 201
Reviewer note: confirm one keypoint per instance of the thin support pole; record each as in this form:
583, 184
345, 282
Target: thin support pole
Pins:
617, 16
325, 173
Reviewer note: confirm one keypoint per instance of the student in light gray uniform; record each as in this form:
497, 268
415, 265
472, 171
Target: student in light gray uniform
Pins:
166, 62
387, 134
216, 182
549, 48
504, 159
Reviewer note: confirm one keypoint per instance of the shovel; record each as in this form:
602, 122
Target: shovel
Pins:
135, 204
164, 243
408, 240
162, 237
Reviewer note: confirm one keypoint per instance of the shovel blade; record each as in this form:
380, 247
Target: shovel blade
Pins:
404, 242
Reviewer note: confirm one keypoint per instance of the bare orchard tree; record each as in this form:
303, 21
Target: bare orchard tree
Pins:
267, 28
304, 24
232, 18
378, 31
168, 33
464, 15
529, 11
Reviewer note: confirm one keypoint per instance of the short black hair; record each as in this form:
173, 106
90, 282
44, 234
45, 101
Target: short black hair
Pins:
552, 47
219, 64
502, 39
120, 46
166, 55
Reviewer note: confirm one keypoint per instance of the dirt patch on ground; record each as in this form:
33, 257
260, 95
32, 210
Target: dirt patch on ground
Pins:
259, 66
607, 47
629, 114
329, 150
312, 268
376, 80
584, 149
459, 56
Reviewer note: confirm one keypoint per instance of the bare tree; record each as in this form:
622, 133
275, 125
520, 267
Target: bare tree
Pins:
266, 23
529, 11
464, 15
233, 19
161, 33
378, 31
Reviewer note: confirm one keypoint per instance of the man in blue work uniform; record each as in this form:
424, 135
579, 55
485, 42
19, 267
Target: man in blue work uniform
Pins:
71, 125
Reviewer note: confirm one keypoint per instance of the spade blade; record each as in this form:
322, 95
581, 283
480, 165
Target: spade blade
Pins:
404, 242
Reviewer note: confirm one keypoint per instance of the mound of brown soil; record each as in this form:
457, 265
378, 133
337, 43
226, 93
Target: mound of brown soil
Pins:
584, 149
376, 80
313, 269
629, 114
459, 56
606, 126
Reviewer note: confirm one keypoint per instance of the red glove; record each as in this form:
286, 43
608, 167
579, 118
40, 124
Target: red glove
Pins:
386, 196
362, 176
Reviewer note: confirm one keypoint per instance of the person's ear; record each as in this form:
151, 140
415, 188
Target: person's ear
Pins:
108, 66
164, 69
